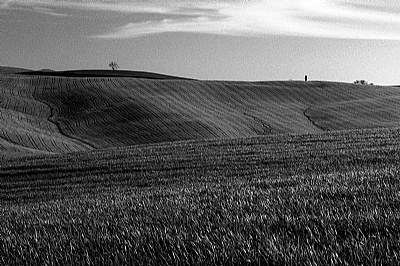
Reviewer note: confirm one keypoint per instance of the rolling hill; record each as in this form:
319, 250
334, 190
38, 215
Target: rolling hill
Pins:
12, 70
98, 73
129, 170
56, 114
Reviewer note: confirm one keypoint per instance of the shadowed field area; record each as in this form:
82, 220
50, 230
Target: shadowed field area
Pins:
53, 114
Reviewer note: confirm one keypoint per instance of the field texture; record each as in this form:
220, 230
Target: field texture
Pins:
320, 199
133, 171
26, 125
45, 114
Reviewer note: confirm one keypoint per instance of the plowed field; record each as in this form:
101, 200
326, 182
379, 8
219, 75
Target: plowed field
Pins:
133, 171
44, 114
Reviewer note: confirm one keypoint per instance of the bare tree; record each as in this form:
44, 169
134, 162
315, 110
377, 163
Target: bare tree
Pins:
113, 65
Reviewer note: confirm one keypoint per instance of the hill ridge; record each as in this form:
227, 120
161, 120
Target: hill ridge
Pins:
100, 73
104, 112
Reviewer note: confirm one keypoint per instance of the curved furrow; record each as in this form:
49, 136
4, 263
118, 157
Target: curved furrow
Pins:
366, 113
213, 109
108, 112
187, 109
24, 121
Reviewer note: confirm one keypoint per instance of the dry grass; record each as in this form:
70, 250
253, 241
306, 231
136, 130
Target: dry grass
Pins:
311, 199
328, 199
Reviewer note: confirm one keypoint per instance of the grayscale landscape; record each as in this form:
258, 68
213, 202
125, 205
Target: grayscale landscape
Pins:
125, 170
257, 132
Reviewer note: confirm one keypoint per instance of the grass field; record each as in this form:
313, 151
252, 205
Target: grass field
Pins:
128, 171
317, 199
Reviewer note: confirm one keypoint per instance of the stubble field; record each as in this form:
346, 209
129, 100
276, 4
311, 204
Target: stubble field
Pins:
227, 195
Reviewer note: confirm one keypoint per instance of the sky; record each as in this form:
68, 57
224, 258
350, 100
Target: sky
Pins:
337, 40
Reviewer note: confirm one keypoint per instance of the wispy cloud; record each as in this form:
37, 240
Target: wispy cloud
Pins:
357, 19
31, 6
49, 11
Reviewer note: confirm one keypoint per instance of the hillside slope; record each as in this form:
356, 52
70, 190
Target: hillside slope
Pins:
25, 123
12, 70
63, 114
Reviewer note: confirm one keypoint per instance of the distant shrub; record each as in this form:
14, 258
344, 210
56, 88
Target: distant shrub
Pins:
362, 82
113, 65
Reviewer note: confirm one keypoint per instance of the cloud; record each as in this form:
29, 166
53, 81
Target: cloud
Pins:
49, 11
30, 6
358, 19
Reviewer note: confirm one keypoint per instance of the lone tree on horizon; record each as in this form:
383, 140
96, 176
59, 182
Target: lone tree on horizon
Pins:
113, 65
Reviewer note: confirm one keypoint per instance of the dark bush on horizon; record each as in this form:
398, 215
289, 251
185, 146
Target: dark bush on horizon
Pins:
362, 82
